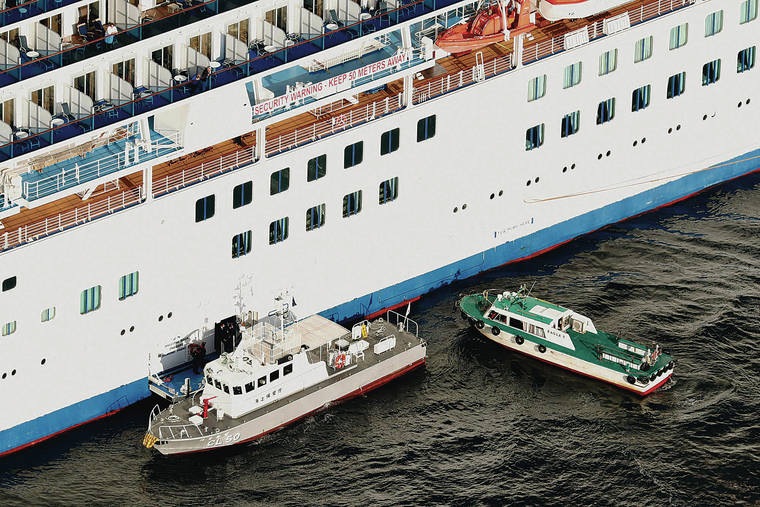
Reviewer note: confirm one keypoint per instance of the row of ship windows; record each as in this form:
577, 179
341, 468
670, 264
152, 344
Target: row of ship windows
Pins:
642, 50
640, 98
89, 300
250, 386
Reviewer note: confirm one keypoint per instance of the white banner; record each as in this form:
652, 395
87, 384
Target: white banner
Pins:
329, 86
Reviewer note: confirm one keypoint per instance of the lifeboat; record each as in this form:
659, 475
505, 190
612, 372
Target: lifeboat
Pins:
486, 27
554, 10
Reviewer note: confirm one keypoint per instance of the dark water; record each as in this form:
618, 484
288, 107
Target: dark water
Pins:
481, 425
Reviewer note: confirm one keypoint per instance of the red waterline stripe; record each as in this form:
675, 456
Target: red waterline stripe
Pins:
399, 305
640, 393
35, 442
367, 388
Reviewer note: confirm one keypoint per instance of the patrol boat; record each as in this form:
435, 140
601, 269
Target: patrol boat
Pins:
562, 337
281, 371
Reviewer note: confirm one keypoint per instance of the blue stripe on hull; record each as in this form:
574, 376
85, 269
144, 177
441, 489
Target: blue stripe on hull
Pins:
79, 413
545, 239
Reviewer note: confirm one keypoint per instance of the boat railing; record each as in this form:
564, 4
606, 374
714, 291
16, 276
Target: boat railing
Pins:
179, 432
133, 154
339, 123
403, 322
153, 414
636, 14
463, 78
203, 171
71, 218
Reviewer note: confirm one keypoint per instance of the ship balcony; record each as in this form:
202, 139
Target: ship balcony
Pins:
231, 67
110, 153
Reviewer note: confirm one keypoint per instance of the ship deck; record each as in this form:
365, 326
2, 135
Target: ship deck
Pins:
311, 124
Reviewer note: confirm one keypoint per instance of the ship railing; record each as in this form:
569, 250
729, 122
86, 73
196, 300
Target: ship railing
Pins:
133, 154
636, 14
403, 322
203, 171
463, 78
179, 432
339, 123
153, 414
71, 218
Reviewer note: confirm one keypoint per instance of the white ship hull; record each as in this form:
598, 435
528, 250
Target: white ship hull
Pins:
387, 254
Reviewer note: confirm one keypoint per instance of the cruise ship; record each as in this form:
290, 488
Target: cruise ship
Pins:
164, 166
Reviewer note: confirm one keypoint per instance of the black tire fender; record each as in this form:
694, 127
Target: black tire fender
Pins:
519, 340
542, 348
495, 331
630, 379
479, 324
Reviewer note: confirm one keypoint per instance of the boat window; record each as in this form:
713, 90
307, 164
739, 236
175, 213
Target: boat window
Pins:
538, 332
226, 388
501, 318
210, 380
204, 208
237, 390
274, 375
9, 283
515, 323
217, 384
249, 387
287, 369
492, 315
263, 381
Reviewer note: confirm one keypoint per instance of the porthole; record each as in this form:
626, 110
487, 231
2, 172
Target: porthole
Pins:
678, 127
739, 104
564, 169
4, 375
501, 192
635, 143
123, 331
704, 117
527, 184
609, 153
492, 196
160, 318
131, 328
43, 361
456, 209
536, 180
464, 206
670, 130
169, 315
747, 102
13, 372
572, 166
599, 157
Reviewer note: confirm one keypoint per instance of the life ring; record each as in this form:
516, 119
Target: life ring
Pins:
479, 324
542, 348
340, 361
519, 340
630, 379
495, 331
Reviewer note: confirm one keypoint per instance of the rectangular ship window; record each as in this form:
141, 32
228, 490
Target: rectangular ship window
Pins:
389, 141
713, 23
643, 49
287, 369
89, 300
237, 390
571, 123
747, 11
536, 88
676, 85
242, 194
316, 168
274, 375
607, 62
640, 98
711, 72
679, 35
9, 328
534, 137
516, 323
241, 244
353, 154
352, 203
205, 208
279, 181
249, 387
572, 75
605, 111
128, 285
388, 190
47, 314
278, 230
425, 128
315, 217
9, 283
745, 59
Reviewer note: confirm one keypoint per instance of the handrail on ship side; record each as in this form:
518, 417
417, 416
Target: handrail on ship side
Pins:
111, 115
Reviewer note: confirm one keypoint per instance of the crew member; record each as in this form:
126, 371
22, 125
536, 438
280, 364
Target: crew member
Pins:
198, 353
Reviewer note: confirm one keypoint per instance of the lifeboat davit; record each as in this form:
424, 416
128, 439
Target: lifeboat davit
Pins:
483, 29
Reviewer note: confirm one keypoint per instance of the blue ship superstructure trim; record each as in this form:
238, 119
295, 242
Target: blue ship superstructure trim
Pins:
43, 427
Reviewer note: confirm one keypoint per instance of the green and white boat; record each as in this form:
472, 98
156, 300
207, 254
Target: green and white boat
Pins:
562, 337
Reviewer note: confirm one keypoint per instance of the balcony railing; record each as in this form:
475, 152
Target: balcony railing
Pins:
228, 73
463, 78
339, 123
25, 10
636, 14
71, 218
205, 170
